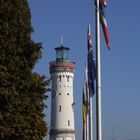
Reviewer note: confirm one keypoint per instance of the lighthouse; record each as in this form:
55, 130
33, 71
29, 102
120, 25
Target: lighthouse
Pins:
62, 102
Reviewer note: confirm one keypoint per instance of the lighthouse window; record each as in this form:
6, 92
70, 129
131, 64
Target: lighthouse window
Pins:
60, 108
59, 93
60, 78
68, 94
68, 78
68, 122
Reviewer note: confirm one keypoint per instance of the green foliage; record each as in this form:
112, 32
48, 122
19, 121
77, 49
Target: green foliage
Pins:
22, 92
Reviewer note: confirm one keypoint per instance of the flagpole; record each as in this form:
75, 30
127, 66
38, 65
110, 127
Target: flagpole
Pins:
90, 119
98, 76
90, 97
88, 114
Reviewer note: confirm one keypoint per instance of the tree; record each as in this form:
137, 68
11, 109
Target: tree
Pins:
22, 91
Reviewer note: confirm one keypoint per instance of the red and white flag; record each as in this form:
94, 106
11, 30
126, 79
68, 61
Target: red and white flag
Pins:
103, 2
104, 22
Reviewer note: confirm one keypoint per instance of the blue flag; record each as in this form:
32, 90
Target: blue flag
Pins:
91, 66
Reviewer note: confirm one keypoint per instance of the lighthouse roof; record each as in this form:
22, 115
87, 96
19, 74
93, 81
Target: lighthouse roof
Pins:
61, 48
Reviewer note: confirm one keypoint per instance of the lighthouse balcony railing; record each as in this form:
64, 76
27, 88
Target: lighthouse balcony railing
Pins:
62, 63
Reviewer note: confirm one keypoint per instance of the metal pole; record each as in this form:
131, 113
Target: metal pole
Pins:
91, 119
98, 75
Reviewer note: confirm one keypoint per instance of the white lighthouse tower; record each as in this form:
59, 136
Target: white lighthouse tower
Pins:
62, 103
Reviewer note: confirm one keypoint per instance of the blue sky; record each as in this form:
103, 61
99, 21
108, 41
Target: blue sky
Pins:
120, 66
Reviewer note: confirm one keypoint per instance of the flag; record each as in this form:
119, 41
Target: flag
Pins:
102, 5
85, 106
103, 2
84, 109
91, 65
